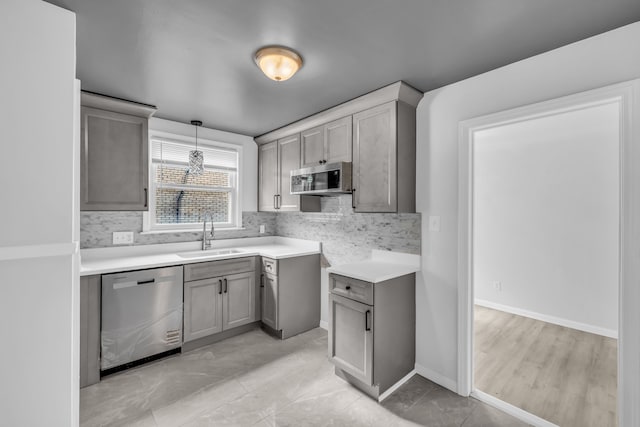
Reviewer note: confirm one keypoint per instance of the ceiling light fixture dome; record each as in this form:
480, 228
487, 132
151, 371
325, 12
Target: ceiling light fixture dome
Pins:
279, 63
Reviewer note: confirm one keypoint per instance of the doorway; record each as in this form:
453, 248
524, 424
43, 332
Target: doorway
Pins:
506, 226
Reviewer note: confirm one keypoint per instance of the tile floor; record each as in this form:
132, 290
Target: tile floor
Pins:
254, 379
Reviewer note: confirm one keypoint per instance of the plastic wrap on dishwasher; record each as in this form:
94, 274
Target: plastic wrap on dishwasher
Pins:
123, 345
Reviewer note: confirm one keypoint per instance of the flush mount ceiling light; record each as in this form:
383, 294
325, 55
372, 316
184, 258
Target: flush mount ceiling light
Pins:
196, 158
279, 63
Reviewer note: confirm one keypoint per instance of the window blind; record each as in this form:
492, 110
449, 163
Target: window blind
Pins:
177, 153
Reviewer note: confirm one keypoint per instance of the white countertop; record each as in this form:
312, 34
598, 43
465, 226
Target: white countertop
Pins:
383, 265
126, 258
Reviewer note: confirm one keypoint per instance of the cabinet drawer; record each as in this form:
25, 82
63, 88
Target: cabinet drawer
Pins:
205, 270
354, 289
270, 266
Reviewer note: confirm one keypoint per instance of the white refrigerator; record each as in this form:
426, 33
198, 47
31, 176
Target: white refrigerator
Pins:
39, 215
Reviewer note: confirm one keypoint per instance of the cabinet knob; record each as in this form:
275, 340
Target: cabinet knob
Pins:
347, 287
320, 162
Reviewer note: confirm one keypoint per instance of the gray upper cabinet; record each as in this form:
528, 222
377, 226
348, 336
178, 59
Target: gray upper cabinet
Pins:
327, 143
377, 132
268, 176
384, 161
288, 159
276, 160
114, 159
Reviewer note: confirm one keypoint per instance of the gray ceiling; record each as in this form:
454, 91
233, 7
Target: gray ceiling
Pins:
193, 59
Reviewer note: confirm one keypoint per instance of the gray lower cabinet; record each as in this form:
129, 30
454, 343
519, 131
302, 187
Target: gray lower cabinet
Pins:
372, 331
114, 160
290, 289
90, 293
218, 296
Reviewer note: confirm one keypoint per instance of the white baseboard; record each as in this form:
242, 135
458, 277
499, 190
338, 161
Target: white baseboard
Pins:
396, 386
324, 325
549, 319
437, 378
514, 411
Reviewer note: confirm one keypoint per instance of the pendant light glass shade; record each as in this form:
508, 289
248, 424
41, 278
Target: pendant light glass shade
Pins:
196, 158
277, 62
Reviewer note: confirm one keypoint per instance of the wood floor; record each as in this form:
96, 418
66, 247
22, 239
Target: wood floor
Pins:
563, 375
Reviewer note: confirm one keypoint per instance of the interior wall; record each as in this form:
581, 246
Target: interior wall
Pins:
38, 278
546, 218
598, 61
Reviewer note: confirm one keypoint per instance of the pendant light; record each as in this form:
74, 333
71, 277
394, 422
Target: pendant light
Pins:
279, 63
196, 158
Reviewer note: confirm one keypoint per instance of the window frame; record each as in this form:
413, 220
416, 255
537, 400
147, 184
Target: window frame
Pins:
235, 209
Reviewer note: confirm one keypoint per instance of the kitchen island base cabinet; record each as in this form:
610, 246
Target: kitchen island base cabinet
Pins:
372, 331
290, 290
221, 299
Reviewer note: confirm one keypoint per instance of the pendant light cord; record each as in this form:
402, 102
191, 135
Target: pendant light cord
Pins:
196, 138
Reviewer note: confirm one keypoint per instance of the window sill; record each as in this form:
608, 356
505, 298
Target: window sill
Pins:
191, 230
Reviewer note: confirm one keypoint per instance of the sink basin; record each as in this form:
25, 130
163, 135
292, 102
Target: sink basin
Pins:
209, 253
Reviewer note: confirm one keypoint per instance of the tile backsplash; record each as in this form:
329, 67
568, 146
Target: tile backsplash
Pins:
97, 227
346, 236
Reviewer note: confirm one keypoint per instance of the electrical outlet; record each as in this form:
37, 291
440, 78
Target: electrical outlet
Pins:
434, 223
262, 229
123, 237
497, 286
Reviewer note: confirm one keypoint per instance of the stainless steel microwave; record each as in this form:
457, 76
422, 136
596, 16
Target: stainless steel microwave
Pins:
327, 179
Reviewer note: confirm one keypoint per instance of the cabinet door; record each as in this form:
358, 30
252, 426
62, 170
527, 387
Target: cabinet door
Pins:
267, 176
312, 146
338, 141
90, 293
351, 337
270, 300
114, 161
202, 308
239, 302
374, 159
288, 159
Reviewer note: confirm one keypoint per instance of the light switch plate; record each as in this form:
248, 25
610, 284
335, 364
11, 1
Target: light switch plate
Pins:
123, 237
262, 229
434, 223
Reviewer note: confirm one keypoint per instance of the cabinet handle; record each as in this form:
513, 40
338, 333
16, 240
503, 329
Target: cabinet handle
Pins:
353, 198
220, 291
275, 201
144, 282
262, 280
146, 197
347, 287
279, 201
320, 162
226, 285
367, 315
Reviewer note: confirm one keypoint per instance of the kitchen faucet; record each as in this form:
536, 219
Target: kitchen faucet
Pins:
206, 241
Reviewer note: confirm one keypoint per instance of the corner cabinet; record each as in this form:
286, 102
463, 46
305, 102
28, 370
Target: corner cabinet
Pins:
276, 160
384, 162
114, 159
290, 294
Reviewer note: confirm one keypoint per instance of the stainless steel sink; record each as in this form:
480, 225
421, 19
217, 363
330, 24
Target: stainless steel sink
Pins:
210, 253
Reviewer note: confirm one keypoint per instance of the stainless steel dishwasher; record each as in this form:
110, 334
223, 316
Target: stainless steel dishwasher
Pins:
141, 316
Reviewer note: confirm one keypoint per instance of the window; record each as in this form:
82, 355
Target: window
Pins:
179, 200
